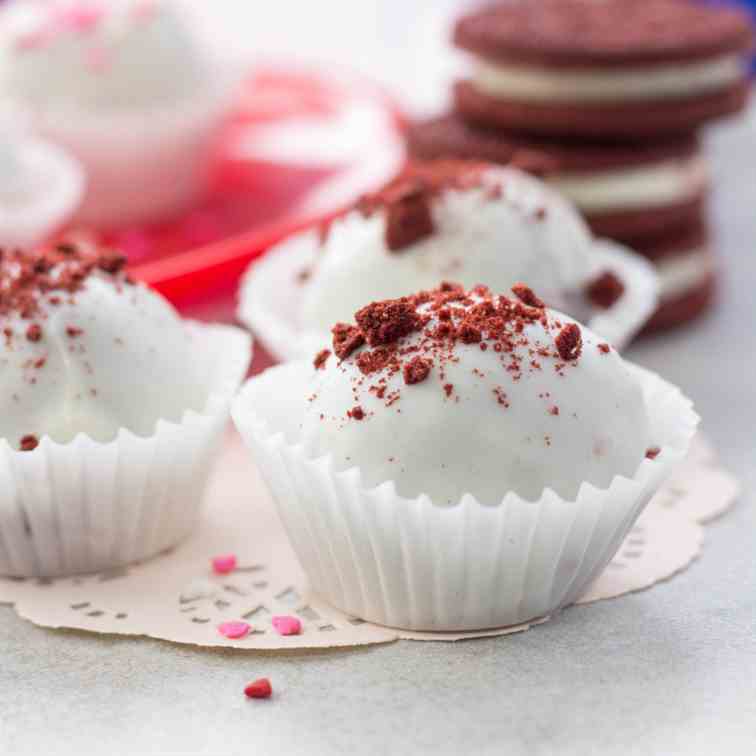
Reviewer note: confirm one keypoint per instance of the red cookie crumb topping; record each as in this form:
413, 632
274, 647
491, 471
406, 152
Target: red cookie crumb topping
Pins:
356, 413
111, 262
29, 442
441, 321
604, 348
346, 339
526, 296
34, 332
605, 291
375, 361
416, 370
653, 452
409, 218
72, 332
27, 278
386, 322
501, 397
407, 199
323, 232
569, 342
321, 358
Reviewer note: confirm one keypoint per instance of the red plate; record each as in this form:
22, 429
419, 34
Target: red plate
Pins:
298, 148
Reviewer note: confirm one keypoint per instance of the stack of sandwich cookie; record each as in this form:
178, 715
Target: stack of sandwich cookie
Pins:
686, 265
621, 68
625, 191
604, 101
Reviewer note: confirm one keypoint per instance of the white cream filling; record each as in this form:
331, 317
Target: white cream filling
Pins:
664, 183
539, 84
681, 273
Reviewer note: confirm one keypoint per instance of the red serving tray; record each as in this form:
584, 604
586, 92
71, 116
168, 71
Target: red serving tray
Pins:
298, 147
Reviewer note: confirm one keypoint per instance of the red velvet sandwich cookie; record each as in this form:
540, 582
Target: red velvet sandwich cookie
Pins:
625, 191
615, 68
686, 265
685, 308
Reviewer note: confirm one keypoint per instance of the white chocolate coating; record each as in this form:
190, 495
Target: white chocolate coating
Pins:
42, 187
478, 239
130, 365
536, 84
103, 57
446, 445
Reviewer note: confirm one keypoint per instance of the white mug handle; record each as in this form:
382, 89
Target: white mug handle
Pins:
620, 322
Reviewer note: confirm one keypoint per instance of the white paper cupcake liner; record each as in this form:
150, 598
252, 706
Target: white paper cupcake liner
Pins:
141, 166
271, 294
86, 506
413, 564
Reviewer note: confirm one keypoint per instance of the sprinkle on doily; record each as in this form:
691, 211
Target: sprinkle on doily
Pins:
224, 564
259, 689
287, 625
234, 629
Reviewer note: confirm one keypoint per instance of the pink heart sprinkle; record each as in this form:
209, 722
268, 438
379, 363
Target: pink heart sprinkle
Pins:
80, 17
222, 565
234, 630
286, 625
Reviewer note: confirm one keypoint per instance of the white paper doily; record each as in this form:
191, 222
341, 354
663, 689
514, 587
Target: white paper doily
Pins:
176, 597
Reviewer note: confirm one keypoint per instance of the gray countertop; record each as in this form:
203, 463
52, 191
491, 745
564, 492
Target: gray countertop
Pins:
667, 671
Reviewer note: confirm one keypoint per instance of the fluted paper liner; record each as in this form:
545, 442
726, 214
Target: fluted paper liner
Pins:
413, 564
271, 294
85, 506
176, 597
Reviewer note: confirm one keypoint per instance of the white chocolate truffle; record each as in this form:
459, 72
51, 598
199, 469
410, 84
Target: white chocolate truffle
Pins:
42, 187
448, 220
447, 394
98, 56
83, 350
